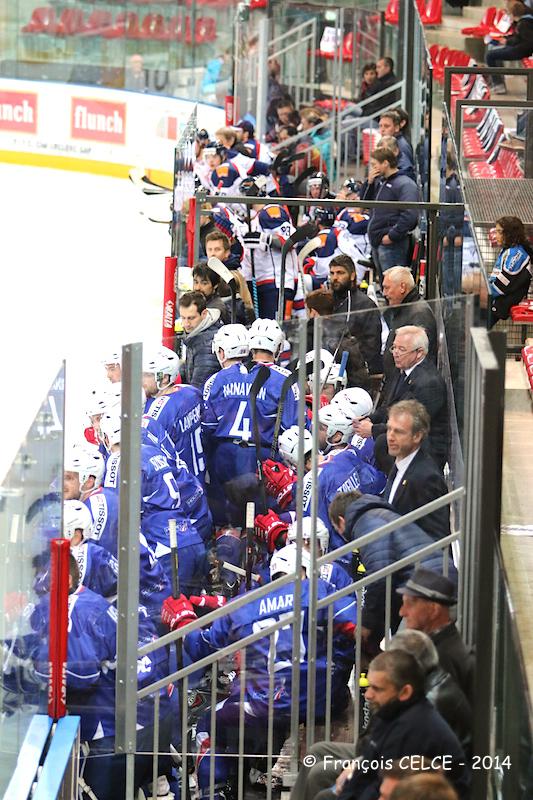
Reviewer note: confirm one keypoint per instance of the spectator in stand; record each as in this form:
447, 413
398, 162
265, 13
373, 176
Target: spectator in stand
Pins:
404, 723
424, 787
320, 139
369, 78
405, 123
390, 143
353, 515
385, 79
200, 325
389, 125
441, 689
347, 298
427, 601
417, 378
415, 478
389, 229
284, 113
135, 77
510, 278
405, 307
451, 224
519, 44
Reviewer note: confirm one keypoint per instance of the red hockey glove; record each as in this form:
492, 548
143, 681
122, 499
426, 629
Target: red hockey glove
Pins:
177, 612
271, 530
309, 266
279, 482
208, 601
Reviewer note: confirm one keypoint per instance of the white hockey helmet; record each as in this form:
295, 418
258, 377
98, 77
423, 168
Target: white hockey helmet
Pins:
265, 334
337, 419
356, 400
233, 340
76, 516
110, 425
160, 362
113, 357
95, 403
284, 561
288, 444
85, 463
322, 533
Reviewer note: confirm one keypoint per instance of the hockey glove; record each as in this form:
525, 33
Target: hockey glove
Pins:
309, 266
279, 482
271, 530
177, 612
256, 240
208, 601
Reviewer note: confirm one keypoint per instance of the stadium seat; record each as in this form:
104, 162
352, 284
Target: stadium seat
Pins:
523, 312
528, 62
487, 22
43, 20
503, 163
70, 22
433, 13
99, 21
479, 142
153, 27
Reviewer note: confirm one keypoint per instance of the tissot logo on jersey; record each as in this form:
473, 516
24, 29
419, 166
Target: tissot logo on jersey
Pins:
18, 111
98, 120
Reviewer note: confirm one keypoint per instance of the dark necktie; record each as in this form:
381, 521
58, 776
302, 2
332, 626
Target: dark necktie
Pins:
390, 480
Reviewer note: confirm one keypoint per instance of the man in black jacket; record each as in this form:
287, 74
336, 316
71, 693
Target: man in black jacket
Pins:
347, 299
415, 478
417, 379
404, 723
385, 79
200, 325
405, 307
427, 600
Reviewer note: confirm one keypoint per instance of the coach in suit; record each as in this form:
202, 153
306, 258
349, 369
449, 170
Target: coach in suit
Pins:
417, 379
415, 478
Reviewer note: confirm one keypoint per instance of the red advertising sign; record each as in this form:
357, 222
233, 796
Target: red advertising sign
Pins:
18, 111
98, 120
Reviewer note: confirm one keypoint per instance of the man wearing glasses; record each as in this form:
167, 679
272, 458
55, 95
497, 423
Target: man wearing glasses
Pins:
417, 379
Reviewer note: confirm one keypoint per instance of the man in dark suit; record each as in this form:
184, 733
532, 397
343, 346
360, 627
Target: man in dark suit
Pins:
417, 379
414, 479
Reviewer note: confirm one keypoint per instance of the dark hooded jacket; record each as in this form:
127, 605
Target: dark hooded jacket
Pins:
367, 515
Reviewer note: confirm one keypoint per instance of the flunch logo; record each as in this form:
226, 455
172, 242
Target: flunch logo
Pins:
98, 120
18, 111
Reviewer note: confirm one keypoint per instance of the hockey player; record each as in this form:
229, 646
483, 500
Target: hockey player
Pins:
270, 227
110, 429
98, 568
90, 688
259, 616
358, 404
177, 409
81, 482
112, 366
266, 340
341, 470
227, 428
253, 145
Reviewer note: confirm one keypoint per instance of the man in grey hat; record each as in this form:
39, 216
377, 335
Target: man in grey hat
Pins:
427, 600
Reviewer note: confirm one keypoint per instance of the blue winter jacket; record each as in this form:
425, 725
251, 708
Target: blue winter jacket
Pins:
367, 515
396, 223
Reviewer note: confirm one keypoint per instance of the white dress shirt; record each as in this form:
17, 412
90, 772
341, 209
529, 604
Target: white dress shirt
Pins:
401, 466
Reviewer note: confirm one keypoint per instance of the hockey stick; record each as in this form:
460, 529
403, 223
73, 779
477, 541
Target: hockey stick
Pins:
249, 527
283, 159
313, 244
142, 182
238, 570
301, 233
173, 537
252, 264
225, 274
289, 381
263, 374
343, 333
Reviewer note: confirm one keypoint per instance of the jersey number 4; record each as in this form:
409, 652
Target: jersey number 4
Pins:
241, 427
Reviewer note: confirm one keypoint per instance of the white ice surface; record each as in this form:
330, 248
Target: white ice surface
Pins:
81, 271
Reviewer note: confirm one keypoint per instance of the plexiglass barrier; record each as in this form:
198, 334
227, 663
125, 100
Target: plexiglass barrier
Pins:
30, 515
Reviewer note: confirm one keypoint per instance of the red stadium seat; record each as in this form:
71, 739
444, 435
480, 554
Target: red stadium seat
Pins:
433, 13
43, 20
523, 312
487, 22
528, 62
100, 21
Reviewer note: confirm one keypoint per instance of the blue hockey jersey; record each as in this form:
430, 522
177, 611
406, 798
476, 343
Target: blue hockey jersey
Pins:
91, 662
341, 471
180, 413
268, 400
103, 505
260, 615
226, 412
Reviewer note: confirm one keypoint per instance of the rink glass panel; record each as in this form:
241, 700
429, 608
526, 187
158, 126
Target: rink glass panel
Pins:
30, 515
93, 43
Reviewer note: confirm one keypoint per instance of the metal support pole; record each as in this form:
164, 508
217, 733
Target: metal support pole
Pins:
406, 34
528, 149
262, 75
314, 568
128, 559
432, 256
